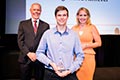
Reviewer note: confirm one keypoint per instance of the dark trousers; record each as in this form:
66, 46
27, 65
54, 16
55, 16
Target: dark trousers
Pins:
51, 75
32, 70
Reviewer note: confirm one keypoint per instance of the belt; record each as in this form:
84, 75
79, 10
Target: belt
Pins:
58, 70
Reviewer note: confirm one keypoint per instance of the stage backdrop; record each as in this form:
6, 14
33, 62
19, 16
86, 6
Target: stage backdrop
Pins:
105, 14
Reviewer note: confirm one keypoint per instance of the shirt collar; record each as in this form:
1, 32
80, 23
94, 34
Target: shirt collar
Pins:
36, 20
56, 31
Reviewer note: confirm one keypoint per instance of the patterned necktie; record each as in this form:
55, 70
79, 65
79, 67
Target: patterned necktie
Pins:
35, 26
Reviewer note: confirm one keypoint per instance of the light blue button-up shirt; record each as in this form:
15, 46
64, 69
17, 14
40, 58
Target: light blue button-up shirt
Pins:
60, 47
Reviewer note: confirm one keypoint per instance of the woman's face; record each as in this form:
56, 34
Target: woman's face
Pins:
82, 17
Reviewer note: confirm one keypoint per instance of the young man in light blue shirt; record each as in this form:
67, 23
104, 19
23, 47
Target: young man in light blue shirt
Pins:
60, 49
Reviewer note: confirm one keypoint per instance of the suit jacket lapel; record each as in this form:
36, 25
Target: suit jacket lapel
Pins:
31, 28
39, 31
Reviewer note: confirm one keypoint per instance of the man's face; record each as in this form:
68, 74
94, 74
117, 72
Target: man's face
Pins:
35, 11
61, 17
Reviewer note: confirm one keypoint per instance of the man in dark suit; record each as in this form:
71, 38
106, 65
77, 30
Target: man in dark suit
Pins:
28, 41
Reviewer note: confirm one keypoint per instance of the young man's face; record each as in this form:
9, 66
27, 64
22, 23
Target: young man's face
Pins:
61, 17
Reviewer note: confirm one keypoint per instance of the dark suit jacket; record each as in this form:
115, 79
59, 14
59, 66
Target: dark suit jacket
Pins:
27, 40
